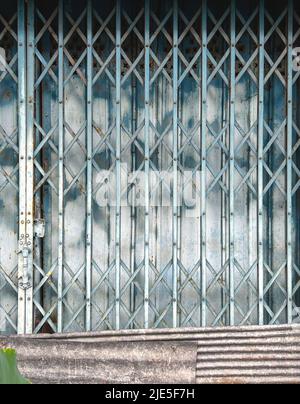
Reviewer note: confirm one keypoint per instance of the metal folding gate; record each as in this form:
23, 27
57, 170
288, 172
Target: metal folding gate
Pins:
149, 164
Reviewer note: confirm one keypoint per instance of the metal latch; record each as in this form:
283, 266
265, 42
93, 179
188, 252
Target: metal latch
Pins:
39, 228
24, 281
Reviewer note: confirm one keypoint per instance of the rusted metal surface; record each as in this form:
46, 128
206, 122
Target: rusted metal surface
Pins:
223, 355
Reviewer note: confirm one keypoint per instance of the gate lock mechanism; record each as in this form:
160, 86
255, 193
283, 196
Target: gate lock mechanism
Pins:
39, 228
39, 232
24, 281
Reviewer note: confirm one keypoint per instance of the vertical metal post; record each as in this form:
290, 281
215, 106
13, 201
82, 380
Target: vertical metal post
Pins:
175, 163
203, 164
89, 179
61, 163
22, 159
118, 161
260, 154
30, 161
224, 209
46, 193
147, 157
38, 197
232, 159
133, 209
289, 151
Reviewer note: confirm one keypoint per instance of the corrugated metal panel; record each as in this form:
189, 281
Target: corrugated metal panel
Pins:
225, 355
258, 357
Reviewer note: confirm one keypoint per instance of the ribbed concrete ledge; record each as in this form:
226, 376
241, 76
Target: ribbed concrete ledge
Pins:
223, 355
76, 361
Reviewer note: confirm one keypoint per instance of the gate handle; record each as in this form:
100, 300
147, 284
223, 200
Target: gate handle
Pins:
24, 279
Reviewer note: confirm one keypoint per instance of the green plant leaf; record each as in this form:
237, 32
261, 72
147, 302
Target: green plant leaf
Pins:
9, 373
